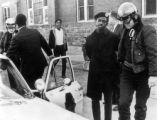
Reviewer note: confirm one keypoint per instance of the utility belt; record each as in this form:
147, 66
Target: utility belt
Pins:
135, 68
129, 65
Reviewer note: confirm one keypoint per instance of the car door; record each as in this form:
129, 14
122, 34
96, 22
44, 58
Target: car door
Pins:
62, 91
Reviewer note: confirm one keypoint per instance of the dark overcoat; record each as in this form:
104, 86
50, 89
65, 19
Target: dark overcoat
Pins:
101, 48
28, 45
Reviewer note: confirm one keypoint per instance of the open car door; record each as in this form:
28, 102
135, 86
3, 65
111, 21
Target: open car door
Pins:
65, 92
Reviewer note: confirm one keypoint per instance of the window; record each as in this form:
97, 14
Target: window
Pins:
85, 10
29, 3
5, 10
149, 8
45, 2
37, 12
6, 13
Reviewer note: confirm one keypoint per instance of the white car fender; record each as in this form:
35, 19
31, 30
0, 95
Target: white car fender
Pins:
35, 109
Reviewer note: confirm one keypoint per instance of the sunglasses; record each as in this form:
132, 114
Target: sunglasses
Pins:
11, 24
124, 18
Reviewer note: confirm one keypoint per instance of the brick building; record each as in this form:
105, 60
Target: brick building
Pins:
77, 15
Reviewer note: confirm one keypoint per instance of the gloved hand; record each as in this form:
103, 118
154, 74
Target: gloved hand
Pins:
152, 81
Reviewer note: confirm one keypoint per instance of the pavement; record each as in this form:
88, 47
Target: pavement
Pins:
151, 112
76, 55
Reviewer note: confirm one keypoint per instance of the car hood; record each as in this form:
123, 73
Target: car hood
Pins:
34, 109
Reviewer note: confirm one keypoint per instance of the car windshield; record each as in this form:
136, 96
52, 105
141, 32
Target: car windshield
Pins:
12, 84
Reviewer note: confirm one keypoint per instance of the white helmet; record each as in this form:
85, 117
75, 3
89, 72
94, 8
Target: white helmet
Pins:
10, 25
10, 21
126, 9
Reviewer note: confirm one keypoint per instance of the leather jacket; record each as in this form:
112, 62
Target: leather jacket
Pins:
144, 50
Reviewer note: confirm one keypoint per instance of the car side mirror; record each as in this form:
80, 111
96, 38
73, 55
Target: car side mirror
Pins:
39, 84
67, 81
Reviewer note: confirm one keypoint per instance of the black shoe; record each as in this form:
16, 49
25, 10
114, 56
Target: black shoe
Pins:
115, 108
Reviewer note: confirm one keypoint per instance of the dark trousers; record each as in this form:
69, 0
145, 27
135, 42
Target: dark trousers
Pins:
106, 87
130, 83
116, 94
60, 51
116, 88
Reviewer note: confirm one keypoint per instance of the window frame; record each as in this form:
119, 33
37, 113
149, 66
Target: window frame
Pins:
44, 8
6, 7
144, 15
6, 12
85, 12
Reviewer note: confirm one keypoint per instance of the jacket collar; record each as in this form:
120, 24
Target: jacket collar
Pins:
21, 28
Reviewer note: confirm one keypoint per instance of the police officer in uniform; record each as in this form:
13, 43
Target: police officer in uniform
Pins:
137, 53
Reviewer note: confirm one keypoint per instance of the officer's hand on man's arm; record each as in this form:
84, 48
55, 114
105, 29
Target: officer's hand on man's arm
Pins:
152, 81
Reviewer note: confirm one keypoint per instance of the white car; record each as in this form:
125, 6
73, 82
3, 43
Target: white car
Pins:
17, 102
65, 92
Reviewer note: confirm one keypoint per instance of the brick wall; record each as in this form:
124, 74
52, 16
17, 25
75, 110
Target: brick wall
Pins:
75, 31
22, 7
66, 10
106, 5
43, 29
151, 21
51, 11
110, 5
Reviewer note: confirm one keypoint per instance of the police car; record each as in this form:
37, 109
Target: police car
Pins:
18, 102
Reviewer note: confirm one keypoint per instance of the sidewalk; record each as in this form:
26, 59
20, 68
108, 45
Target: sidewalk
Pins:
151, 110
76, 55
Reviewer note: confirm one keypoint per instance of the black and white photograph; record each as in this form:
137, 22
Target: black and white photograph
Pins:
78, 59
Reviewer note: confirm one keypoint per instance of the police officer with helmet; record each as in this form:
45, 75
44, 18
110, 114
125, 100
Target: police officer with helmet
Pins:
137, 53
6, 38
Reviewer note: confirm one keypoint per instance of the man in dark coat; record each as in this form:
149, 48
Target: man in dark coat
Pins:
137, 53
27, 46
100, 47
